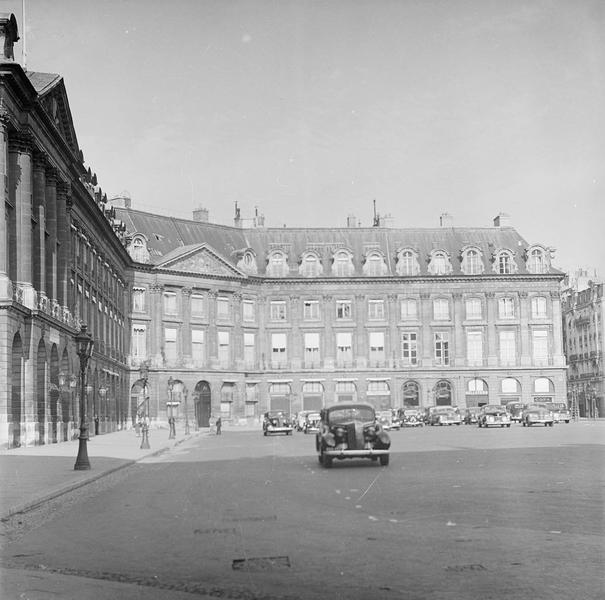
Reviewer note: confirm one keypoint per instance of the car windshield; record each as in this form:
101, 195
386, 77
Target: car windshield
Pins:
444, 409
359, 414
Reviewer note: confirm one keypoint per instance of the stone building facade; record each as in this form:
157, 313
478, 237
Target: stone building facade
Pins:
245, 318
62, 263
583, 334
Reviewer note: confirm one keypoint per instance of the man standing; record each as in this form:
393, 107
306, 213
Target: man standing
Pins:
218, 426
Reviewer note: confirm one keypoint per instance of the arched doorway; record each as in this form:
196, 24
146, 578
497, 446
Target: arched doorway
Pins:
54, 393
279, 397
16, 375
411, 394
345, 391
41, 385
379, 395
137, 402
203, 403
443, 393
312, 394
477, 392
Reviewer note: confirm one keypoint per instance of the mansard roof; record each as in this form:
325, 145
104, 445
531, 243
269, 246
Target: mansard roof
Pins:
165, 234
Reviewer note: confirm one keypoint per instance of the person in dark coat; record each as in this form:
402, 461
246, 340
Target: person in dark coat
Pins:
218, 426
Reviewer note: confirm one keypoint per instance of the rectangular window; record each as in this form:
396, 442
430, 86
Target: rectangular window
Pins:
139, 342
474, 347
441, 309
138, 299
540, 346
312, 358
198, 308
249, 350
409, 309
310, 310
170, 343
508, 350
278, 310
409, 348
376, 310
248, 310
506, 308
344, 349
170, 303
473, 308
279, 350
538, 307
442, 348
222, 308
224, 354
377, 356
343, 309
198, 347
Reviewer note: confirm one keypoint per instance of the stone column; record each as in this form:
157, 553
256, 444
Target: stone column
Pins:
524, 325
20, 185
157, 334
264, 354
212, 330
39, 240
186, 327
5, 286
64, 241
238, 333
329, 350
558, 357
296, 343
361, 342
51, 230
492, 342
459, 337
427, 340
392, 352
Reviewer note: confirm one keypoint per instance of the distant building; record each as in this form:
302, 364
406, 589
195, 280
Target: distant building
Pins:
583, 335
246, 319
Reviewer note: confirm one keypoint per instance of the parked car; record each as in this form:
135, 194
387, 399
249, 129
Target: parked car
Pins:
276, 421
469, 415
411, 417
299, 420
395, 420
311, 423
515, 409
443, 415
350, 430
537, 415
493, 416
559, 410
385, 418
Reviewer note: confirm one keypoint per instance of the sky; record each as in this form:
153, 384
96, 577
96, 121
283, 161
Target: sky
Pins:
311, 110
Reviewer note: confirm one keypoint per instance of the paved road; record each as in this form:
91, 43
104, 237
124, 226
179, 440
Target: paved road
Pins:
460, 514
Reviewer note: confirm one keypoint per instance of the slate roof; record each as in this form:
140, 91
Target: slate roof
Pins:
171, 236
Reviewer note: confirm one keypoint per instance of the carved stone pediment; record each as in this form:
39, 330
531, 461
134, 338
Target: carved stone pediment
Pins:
201, 259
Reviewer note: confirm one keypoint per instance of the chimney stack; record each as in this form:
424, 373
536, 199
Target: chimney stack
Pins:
351, 221
200, 214
446, 220
502, 220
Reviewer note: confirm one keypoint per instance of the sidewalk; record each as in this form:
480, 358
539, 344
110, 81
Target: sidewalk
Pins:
33, 475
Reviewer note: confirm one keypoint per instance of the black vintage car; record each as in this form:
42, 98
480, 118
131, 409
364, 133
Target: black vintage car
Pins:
275, 421
350, 430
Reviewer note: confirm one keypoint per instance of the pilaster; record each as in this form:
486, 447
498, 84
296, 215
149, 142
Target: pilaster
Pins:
5, 285
427, 342
39, 217
51, 230
329, 348
524, 325
361, 342
492, 345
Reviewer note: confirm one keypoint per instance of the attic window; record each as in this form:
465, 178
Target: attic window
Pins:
158, 237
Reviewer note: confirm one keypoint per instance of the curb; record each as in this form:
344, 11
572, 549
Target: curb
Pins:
33, 504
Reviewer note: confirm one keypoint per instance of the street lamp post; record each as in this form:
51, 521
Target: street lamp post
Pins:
172, 433
186, 393
144, 374
84, 345
102, 394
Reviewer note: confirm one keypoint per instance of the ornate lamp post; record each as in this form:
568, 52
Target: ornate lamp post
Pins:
186, 393
84, 345
144, 375
172, 434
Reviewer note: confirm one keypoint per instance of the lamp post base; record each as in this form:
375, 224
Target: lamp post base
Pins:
82, 462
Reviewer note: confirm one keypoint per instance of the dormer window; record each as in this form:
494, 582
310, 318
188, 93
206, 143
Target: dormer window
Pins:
138, 249
407, 262
247, 263
310, 265
537, 261
278, 265
471, 261
439, 263
374, 265
343, 264
504, 262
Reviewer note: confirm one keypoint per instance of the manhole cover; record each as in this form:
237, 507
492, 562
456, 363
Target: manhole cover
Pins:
261, 563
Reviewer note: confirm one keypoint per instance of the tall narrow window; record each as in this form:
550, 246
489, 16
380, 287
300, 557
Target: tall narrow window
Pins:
198, 347
505, 263
170, 303
279, 350
472, 263
310, 310
474, 347
224, 354
540, 346
248, 310
278, 310
409, 309
508, 349
138, 299
473, 308
538, 307
249, 350
442, 348
376, 310
344, 349
441, 309
409, 348
377, 356
170, 343
222, 308
506, 308
311, 350
343, 309
310, 266
139, 342
197, 305
536, 263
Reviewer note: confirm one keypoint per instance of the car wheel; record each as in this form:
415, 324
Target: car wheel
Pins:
320, 458
264, 433
508, 425
384, 460
551, 424
327, 462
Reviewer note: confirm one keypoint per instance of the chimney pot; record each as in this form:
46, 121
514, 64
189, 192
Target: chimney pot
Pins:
446, 220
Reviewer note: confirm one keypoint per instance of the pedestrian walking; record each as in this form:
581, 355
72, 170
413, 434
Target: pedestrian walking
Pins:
218, 426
